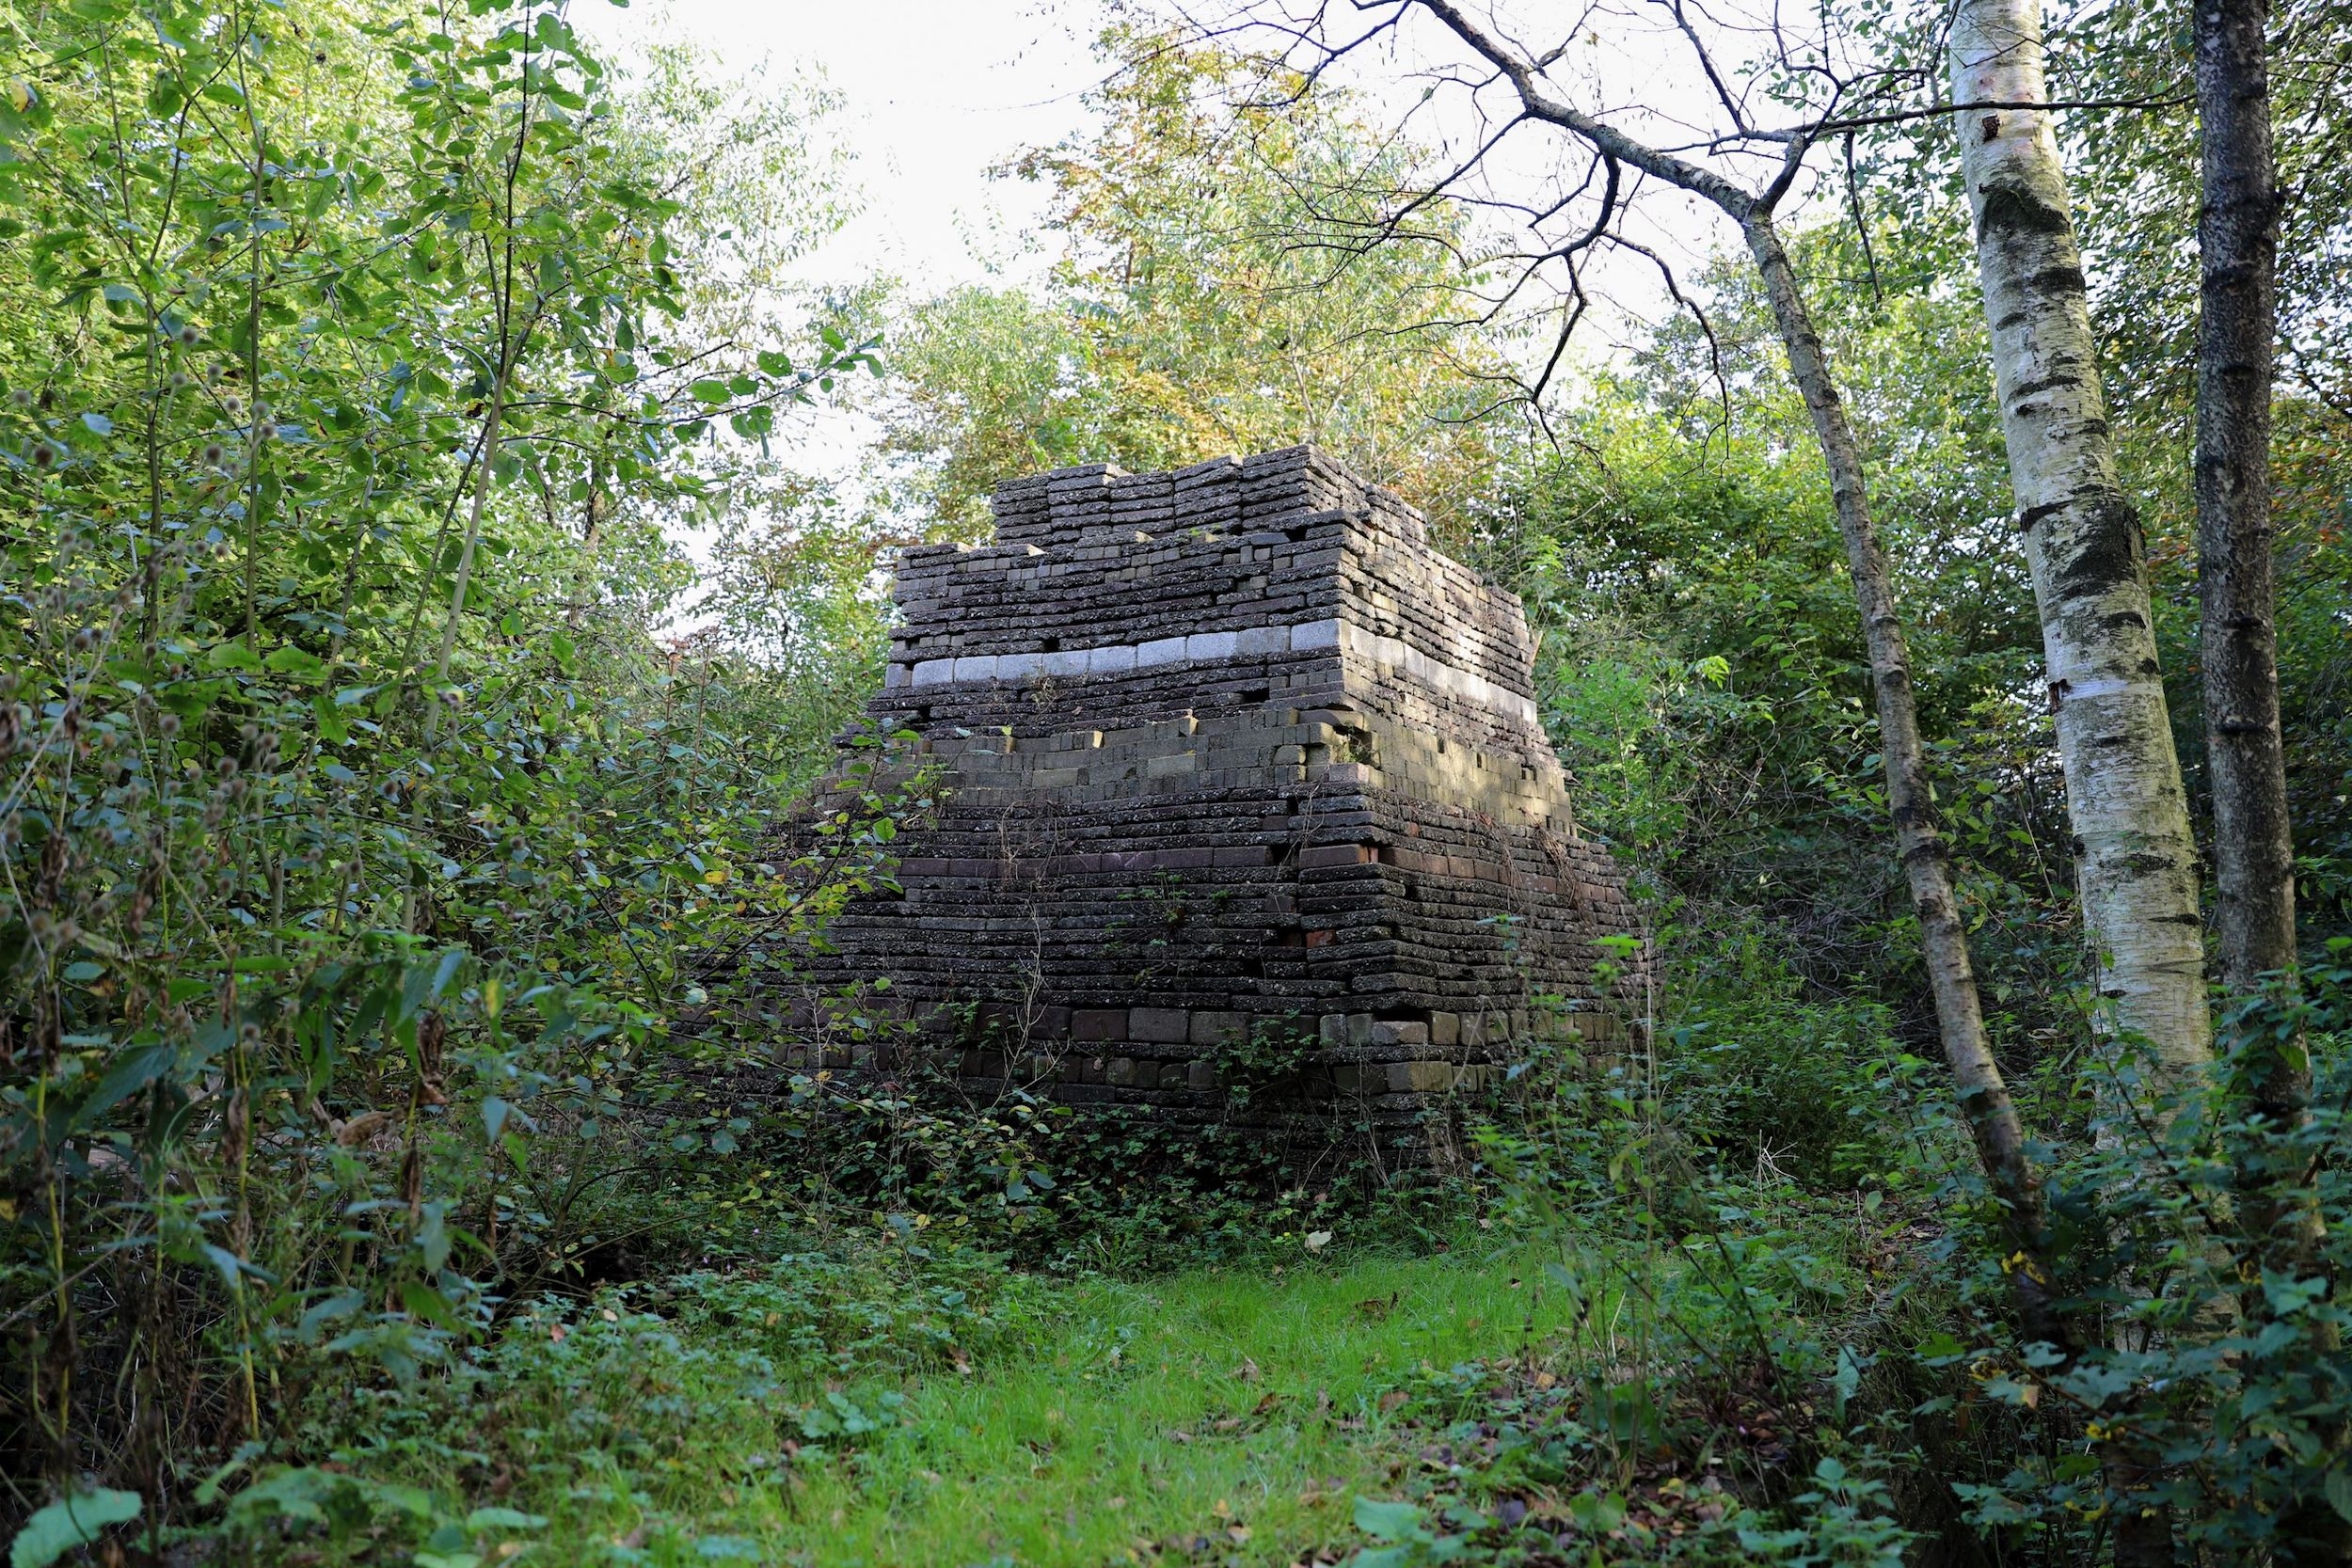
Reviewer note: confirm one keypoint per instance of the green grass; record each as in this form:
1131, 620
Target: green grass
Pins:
1247, 1409
880, 1404
1241, 1406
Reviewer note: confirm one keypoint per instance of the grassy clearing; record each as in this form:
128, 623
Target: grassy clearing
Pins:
880, 1406
1235, 1412
1244, 1409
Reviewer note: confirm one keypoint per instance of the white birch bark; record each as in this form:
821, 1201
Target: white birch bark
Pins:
2136, 860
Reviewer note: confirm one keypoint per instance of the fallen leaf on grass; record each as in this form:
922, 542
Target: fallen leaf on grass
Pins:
1391, 1400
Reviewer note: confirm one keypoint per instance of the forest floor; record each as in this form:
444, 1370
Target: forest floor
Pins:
875, 1409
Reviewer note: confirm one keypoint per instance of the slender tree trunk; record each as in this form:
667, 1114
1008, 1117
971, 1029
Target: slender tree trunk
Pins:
1984, 1097
2237, 238
428, 784
2237, 242
2134, 856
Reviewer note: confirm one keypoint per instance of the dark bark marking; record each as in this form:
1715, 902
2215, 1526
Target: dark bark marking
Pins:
2107, 556
2009, 211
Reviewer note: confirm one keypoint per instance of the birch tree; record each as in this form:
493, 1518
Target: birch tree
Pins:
1618, 162
2136, 859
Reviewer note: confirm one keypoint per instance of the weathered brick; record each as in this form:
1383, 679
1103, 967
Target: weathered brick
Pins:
1171, 1025
1098, 1023
1171, 716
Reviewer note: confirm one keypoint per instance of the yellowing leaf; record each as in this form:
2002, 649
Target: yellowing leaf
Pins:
20, 96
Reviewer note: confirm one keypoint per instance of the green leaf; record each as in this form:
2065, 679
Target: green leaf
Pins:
232, 656
72, 1522
427, 1303
504, 1518
326, 1309
1386, 1521
2340, 1491
294, 661
130, 1075
1597, 1513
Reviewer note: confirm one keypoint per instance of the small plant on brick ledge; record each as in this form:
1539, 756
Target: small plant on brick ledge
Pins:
1271, 1057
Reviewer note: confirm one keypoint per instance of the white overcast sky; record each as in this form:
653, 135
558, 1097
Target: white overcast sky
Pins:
937, 92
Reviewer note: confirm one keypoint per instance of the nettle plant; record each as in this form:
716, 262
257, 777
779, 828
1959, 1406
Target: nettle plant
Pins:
354, 830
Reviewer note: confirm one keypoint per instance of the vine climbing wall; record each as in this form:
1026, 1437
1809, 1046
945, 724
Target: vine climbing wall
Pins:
1234, 769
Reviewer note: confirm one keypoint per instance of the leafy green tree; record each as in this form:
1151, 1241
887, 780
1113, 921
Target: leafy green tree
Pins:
1223, 293
356, 836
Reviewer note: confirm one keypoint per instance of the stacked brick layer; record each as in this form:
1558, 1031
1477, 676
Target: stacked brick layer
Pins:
1228, 753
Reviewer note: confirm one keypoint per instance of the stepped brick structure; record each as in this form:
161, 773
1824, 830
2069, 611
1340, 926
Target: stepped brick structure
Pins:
1229, 756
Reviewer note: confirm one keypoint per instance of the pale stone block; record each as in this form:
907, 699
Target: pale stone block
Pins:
897, 675
1116, 660
1212, 644
1162, 650
934, 672
1019, 667
976, 666
1315, 636
1264, 641
1069, 664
